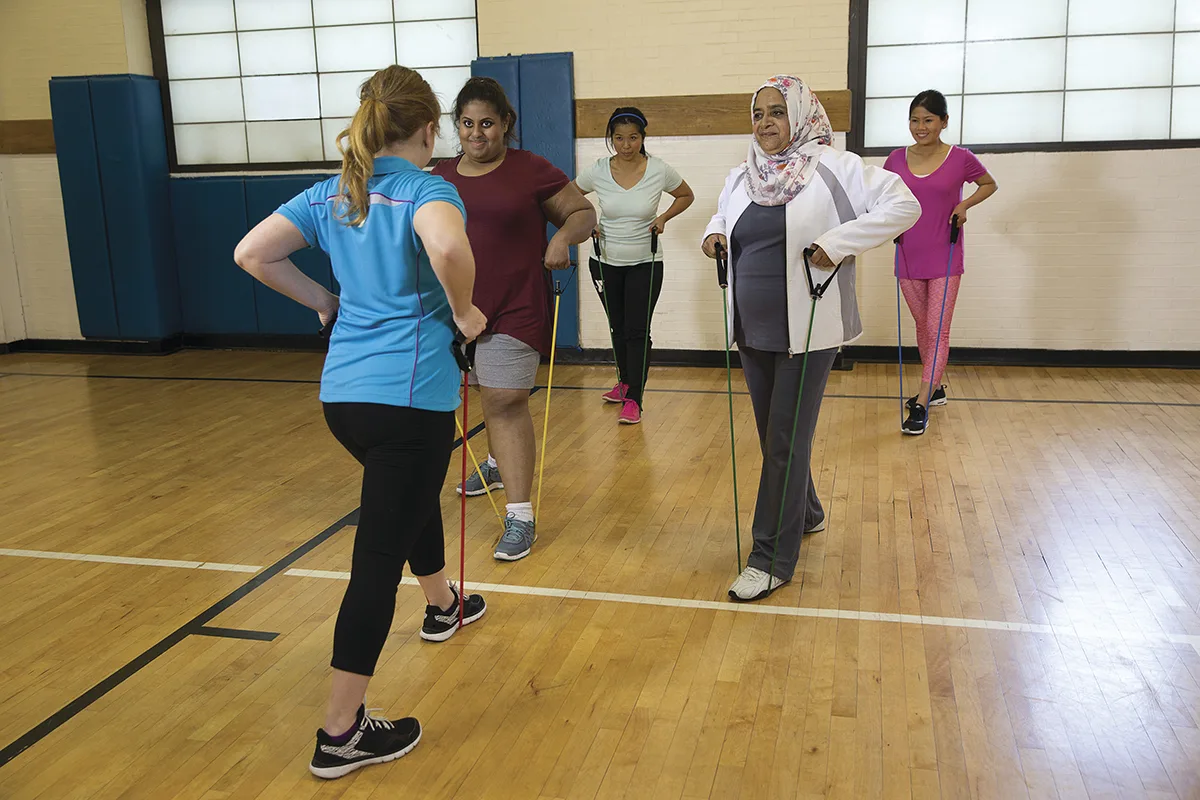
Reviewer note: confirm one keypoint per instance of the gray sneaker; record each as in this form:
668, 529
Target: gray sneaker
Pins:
517, 540
475, 484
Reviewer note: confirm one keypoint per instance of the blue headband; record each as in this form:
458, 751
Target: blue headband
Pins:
639, 118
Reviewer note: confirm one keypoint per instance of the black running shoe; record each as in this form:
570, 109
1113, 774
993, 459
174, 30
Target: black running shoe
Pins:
440, 625
917, 422
373, 741
938, 398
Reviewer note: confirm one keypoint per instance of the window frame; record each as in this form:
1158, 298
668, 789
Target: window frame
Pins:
158, 56
857, 81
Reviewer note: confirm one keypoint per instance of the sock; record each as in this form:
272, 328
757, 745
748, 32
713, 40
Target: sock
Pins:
522, 511
492, 461
453, 605
342, 738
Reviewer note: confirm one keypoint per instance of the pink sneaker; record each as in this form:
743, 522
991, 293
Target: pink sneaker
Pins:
617, 393
630, 413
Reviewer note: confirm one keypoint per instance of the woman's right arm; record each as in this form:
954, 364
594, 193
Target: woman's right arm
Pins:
715, 232
443, 232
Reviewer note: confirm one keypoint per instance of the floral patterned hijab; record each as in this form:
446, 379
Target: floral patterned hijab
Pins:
775, 179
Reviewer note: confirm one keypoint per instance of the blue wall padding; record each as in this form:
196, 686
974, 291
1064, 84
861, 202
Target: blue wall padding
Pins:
276, 313
506, 70
547, 110
131, 146
83, 207
210, 219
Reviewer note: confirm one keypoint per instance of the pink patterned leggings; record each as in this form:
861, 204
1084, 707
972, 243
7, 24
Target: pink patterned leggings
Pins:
925, 302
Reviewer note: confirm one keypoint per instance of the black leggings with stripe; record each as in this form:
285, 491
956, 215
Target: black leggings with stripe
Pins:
405, 453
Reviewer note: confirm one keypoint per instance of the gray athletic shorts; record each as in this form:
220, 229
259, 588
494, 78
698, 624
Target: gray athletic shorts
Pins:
502, 362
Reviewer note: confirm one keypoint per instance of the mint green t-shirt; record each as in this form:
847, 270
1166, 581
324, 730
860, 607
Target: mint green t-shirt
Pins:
626, 214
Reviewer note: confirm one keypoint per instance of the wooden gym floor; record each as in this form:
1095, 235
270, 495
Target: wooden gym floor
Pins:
1007, 607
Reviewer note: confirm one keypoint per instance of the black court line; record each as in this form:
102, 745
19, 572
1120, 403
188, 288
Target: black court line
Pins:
895, 399
957, 399
193, 627
235, 633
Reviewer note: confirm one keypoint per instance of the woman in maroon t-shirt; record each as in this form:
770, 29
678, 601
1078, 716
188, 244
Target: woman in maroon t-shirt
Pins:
510, 196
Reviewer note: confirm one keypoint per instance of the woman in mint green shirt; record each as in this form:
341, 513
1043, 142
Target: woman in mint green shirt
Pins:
628, 276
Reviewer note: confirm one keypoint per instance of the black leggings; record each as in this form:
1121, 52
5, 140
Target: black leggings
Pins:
626, 291
405, 453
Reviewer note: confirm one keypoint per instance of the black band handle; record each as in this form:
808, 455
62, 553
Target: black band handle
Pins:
596, 244
722, 265
327, 329
954, 229
653, 242
816, 290
464, 351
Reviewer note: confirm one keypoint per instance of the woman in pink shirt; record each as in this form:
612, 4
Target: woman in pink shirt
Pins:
936, 173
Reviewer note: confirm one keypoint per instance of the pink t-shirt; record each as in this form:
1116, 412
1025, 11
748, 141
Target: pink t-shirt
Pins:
924, 250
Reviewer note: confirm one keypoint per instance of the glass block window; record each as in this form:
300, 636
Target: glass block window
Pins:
274, 81
1036, 71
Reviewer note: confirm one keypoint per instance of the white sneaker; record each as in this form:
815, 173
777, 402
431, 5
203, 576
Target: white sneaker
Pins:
820, 526
754, 584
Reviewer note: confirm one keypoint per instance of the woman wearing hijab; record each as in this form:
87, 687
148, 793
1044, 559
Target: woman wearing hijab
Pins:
795, 192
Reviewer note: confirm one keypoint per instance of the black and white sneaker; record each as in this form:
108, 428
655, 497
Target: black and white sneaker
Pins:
938, 398
917, 422
441, 625
371, 741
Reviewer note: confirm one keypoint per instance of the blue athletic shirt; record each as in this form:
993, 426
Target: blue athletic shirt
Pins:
391, 342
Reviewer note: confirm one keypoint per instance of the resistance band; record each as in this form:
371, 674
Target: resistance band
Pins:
899, 333
558, 290
816, 291
933, 376
479, 471
598, 282
465, 356
723, 282
954, 232
649, 309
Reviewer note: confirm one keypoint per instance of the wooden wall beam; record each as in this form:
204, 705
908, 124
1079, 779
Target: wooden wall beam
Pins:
693, 114
679, 115
26, 137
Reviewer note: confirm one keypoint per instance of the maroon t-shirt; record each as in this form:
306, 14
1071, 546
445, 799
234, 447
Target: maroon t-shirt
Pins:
507, 229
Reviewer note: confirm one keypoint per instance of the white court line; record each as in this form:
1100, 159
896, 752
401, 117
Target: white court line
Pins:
144, 562
1075, 632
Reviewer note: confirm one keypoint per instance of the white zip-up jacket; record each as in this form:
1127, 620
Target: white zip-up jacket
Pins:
848, 209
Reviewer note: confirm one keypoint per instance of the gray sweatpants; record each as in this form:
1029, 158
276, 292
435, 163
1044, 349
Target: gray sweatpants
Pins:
774, 380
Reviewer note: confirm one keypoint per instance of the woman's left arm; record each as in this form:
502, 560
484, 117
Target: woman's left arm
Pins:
575, 218
987, 188
891, 209
683, 198
264, 253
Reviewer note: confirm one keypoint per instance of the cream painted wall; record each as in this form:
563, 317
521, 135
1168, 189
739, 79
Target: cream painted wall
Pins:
39, 267
38, 41
637, 48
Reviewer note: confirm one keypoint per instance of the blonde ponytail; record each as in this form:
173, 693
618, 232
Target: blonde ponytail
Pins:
395, 103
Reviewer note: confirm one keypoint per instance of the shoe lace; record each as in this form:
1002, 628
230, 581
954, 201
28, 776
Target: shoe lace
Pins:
376, 723
515, 530
753, 574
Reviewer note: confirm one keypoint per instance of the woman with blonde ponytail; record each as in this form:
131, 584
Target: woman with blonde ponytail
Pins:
397, 240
